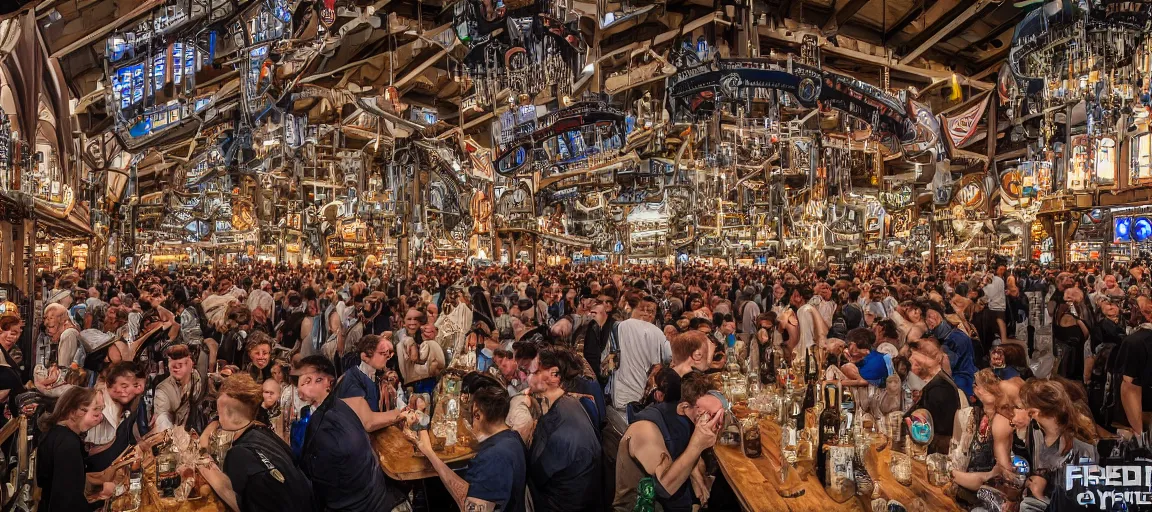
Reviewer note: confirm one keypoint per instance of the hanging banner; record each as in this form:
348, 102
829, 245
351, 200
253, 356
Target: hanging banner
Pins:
962, 127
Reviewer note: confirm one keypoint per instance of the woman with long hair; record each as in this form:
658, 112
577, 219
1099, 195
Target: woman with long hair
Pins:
990, 429
1058, 430
60, 456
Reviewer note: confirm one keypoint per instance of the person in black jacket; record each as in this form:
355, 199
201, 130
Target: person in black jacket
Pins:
60, 455
258, 473
596, 337
337, 454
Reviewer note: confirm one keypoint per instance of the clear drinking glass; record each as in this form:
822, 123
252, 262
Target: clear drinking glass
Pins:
901, 467
938, 470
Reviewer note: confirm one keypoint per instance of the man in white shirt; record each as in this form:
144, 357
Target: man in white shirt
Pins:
994, 289
260, 299
824, 303
642, 345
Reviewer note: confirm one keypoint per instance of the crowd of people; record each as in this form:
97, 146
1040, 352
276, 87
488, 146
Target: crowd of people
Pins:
589, 384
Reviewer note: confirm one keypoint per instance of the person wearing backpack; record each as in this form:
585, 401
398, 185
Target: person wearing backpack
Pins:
676, 430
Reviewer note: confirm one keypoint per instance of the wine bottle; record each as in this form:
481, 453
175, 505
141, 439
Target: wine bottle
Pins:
768, 365
811, 366
829, 426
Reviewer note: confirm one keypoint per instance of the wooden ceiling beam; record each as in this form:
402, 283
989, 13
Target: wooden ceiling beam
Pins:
998, 31
908, 18
103, 31
943, 27
841, 16
991, 64
793, 37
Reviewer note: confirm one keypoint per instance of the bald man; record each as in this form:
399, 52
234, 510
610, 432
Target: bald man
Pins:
63, 333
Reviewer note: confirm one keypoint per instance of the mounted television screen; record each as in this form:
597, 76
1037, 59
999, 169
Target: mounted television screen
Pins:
1141, 229
1121, 229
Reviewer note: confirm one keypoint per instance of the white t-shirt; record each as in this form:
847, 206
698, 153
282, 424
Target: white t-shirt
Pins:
994, 290
642, 345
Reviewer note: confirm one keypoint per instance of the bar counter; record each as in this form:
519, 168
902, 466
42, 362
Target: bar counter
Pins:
758, 486
401, 461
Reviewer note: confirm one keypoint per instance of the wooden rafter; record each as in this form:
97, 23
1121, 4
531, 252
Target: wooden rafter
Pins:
907, 19
943, 27
793, 37
998, 31
844, 14
103, 31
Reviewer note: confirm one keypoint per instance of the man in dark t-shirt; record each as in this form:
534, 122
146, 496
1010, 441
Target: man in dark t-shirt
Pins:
258, 473
359, 388
337, 454
939, 396
495, 477
564, 459
1135, 361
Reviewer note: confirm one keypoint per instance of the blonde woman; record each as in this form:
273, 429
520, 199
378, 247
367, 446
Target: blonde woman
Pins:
988, 433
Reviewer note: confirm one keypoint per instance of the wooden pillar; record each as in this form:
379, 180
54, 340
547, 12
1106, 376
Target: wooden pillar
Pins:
932, 239
993, 100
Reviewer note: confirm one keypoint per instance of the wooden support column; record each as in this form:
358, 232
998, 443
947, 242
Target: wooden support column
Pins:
993, 102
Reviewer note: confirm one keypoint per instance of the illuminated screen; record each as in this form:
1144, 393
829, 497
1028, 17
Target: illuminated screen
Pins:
1121, 229
1141, 229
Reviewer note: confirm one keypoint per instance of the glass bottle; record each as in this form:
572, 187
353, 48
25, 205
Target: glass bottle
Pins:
751, 436
167, 478
135, 486
829, 427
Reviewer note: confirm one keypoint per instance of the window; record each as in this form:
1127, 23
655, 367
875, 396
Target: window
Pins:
1141, 164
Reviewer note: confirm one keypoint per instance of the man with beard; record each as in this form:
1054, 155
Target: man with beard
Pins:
65, 337
939, 396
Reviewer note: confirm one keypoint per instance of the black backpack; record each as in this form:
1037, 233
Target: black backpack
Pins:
839, 327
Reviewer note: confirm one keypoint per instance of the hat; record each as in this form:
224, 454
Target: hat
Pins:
59, 295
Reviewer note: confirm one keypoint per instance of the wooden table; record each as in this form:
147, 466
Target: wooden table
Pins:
401, 461
757, 483
151, 501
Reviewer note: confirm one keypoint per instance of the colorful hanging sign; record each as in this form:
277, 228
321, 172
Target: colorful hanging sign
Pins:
962, 127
